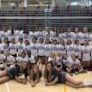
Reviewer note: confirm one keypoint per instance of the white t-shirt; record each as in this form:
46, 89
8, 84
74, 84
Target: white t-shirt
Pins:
62, 36
10, 59
20, 59
5, 47
18, 34
13, 48
70, 35
85, 36
33, 48
38, 34
61, 48
79, 36
1, 46
31, 34
25, 59
8, 33
69, 60
72, 62
41, 49
53, 48
25, 36
76, 62
45, 33
70, 49
90, 37
86, 53
2, 35
52, 34
25, 47
20, 48
77, 50
32, 59
47, 49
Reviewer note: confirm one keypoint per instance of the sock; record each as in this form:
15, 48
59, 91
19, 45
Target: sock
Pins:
88, 83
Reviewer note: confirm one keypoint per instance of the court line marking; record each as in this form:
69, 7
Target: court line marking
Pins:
7, 87
65, 88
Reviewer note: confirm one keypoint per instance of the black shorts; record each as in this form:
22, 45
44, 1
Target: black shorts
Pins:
63, 77
10, 72
15, 55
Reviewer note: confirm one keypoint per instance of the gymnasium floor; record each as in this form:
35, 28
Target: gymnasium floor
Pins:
12, 86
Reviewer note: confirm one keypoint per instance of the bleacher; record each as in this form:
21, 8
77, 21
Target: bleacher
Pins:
37, 9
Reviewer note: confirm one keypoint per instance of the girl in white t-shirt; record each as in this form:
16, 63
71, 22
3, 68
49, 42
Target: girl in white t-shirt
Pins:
41, 50
26, 45
61, 46
20, 46
77, 49
85, 34
9, 60
5, 45
79, 35
54, 46
69, 48
2, 35
31, 60
13, 47
33, 47
47, 49
77, 67
86, 54
24, 57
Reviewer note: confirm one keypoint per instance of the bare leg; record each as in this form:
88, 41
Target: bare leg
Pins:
3, 73
4, 79
74, 86
72, 81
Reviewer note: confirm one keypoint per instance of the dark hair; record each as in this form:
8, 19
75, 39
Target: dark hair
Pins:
25, 31
27, 41
20, 38
12, 30
69, 41
23, 52
7, 40
76, 41
47, 74
29, 53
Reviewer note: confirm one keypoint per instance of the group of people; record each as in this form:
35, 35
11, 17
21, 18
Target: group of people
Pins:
62, 54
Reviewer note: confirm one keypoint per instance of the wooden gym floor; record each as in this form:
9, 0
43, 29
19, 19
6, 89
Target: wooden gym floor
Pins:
13, 86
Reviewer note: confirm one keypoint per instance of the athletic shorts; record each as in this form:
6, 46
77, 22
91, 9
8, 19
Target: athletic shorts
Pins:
63, 77
9, 72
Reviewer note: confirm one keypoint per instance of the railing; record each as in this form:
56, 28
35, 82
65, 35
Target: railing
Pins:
34, 11
47, 17
30, 17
